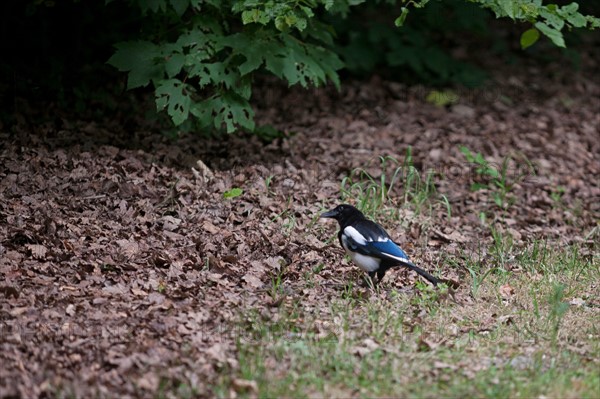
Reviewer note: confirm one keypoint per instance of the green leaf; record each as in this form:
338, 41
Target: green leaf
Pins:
174, 64
326, 64
275, 65
139, 59
570, 8
239, 112
180, 6
254, 60
228, 108
441, 98
243, 87
577, 20
322, 32
551, 33
529, 11
552, 19
497, 199
173, 95
328, 4
509, 7
466, 152
478, 186
307, 11
269, 133
400, 20
299, 23
152, 5
303, 63
529, 37
569, 12
489, 171
255, 16
214, 74
280, 23
234, 192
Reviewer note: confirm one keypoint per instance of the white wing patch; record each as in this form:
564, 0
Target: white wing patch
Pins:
398, 258
359, 238
355, 235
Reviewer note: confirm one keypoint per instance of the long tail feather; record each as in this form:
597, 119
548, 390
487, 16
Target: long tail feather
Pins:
422, 272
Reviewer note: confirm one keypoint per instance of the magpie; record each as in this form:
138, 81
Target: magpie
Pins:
369, 245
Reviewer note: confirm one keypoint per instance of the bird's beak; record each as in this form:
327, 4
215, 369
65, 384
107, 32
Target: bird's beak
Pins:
329, 214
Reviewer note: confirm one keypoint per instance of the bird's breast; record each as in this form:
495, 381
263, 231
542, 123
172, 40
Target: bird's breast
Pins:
365, 262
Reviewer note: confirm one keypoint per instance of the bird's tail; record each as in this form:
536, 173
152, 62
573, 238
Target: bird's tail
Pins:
422, 272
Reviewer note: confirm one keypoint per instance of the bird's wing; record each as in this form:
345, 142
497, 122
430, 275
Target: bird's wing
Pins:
370, 230
370, 239
389, 249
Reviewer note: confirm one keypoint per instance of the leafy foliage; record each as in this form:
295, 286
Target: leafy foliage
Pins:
200, 56
548, 19
414, 50
206, 70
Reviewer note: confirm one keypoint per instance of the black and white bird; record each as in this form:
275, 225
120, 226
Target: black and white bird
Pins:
369, 245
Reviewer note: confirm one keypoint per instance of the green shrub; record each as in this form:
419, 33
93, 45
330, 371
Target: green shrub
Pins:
200, 56
205, 69
369, 40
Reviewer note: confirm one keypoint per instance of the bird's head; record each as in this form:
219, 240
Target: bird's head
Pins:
343, 213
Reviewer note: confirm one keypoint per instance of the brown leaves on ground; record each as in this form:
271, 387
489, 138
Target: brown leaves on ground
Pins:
124, 269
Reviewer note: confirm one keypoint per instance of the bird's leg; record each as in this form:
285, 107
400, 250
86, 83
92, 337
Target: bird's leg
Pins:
380, 274
371, 281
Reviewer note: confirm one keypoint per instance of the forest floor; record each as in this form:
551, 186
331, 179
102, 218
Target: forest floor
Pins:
130, 266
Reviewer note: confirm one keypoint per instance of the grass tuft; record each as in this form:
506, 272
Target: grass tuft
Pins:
394, 185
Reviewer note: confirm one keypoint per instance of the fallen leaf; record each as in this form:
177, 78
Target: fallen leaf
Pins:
506, 291
37, 251
252, 281
217, 352
210, 228
245, 385
443, 365
368, 346
138, 292
578, 302
149, 382
70, 310
455, 236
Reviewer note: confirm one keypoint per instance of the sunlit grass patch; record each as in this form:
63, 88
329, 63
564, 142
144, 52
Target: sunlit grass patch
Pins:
523, 334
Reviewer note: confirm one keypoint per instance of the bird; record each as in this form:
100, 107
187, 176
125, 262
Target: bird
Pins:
368, 244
